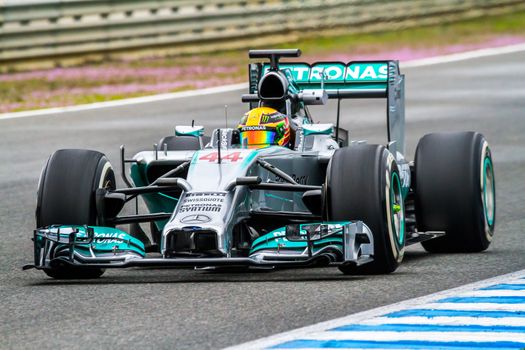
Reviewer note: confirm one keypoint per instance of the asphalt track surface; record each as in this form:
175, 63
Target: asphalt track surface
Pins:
183, 309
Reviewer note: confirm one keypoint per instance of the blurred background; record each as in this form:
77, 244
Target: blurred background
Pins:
65, 52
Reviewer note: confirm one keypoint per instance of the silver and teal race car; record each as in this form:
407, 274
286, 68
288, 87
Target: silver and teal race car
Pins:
214, 202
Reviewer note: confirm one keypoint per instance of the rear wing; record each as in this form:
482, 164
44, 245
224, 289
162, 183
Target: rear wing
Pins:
338, 80
359, 79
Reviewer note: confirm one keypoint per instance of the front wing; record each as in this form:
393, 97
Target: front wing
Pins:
103, 247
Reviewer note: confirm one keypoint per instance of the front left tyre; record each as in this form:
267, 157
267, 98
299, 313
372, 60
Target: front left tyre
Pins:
66, 196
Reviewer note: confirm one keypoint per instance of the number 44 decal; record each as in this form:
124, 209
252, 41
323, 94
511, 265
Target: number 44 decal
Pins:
214, 156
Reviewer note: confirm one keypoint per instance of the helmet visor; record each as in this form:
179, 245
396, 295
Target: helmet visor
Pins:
258, 138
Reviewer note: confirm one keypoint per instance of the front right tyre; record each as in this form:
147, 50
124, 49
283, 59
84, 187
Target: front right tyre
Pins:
66, 196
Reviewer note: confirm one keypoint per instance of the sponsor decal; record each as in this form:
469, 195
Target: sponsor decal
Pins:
205, 199
265, 118
201, 195
109, 238
336, 72
300, 136
224, 139
195, 219
200, 207
202, 202
253, 127
300, 179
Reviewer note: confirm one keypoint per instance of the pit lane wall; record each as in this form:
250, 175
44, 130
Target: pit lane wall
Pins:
40, 32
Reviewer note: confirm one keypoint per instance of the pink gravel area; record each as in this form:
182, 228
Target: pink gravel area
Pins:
115, 72
408, 54
62, 96
131, 88
7, 107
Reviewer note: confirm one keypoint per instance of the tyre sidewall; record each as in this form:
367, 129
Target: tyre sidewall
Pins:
396, 244
486, 160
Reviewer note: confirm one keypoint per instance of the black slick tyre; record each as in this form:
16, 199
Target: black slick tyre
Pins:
66, 196
455, 191
363, 183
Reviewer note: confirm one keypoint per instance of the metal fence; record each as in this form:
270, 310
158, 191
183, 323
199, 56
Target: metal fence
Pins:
39, 29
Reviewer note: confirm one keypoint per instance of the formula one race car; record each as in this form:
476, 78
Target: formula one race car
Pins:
277, 192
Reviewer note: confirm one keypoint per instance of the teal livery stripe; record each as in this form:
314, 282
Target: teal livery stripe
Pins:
272, 244
276, 240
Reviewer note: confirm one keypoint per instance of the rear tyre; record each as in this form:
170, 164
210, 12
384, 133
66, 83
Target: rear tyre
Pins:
66, 196
455, 191
363, 183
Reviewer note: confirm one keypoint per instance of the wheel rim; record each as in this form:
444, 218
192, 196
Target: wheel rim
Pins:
489, 191
397, 210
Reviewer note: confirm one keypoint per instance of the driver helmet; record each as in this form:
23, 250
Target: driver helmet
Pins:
264, 126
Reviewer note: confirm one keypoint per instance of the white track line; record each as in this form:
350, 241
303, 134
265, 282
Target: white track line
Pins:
455, 57
365, 316
476, 306
493, 293
227, 88
427, 336
450, 320
125, 102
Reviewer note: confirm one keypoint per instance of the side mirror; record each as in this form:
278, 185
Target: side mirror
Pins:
182, 130
313, 200
308, 232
